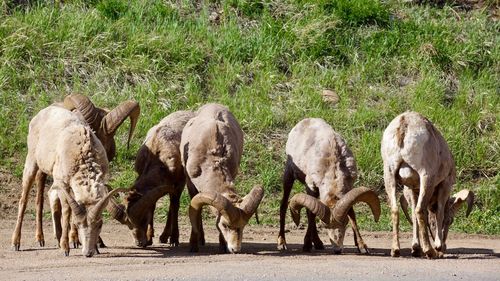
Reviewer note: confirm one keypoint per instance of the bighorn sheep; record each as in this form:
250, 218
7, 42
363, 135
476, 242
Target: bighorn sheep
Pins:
160, 171
318, 157
60, 144
104, 123
416, 156
211, 149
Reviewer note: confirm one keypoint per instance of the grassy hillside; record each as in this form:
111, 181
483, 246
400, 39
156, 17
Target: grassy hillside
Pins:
269, 62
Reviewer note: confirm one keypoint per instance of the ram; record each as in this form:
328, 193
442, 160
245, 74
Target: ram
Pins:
63, 146
416, 156
211, 149
160, 172
104, 123
319, 158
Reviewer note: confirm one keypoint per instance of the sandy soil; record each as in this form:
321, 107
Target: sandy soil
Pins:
470, 257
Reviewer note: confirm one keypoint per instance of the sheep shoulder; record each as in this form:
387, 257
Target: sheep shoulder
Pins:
320, 152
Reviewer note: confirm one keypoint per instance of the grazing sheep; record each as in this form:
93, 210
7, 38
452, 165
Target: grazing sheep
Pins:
416, 156
318, 157
159, 168
211, 149
60, 144
104, 123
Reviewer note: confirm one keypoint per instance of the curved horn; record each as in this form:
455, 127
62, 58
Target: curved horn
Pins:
251, 201
117, 211
115, 118
404, 205
459, 198
137, 210
99, 207
85, 107
312, 204
359, 194
78, 210
216, 200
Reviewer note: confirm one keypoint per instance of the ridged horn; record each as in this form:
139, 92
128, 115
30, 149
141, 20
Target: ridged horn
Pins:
85, 107
312, 204
137, 210
115, 118
99, 207
459, 198
117, 211
216, 200
251, 201
360, 194
78, 210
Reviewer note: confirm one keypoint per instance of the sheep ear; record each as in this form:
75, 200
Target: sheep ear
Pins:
459, 198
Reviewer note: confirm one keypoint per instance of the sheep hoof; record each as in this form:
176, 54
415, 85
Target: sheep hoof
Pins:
307, 248
174, 243
416, 251
149, 242
431, 253
194, 249
363, 250
440, 255
42, 243
282, 247
76, 245
282, 244
164, 238
395, 253
319, 246
66, 253
223, 249
16, 247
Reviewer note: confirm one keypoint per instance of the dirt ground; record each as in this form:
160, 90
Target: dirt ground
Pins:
469, 257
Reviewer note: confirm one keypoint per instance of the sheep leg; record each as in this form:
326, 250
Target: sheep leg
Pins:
192, 193
390, 189
426, 191
222, 244
288, 180
171, 229
312, 232
55, 209
29, 173
66, 216
416, 249
150, 232
443, 195
40, 187
73, 236
358, 240
197, 235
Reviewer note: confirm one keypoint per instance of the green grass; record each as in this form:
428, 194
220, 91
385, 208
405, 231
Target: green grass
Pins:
268, 61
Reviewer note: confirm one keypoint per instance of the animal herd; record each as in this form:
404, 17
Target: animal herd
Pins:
73, 142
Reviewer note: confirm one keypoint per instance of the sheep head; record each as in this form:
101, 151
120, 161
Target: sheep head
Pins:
88, 219
335, 218
105, 122
452, 206
136, 214
232, 218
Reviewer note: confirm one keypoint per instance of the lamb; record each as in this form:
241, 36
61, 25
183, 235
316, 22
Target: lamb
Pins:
104, 123
160, 171
211, 149
60, 144
319, 157
416, 155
